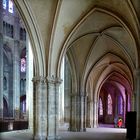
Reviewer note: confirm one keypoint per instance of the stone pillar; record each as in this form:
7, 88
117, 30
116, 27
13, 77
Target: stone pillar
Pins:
95, 115
61, 95
91, 113
72, 126
53, 107
75, 116
16, 26
1, 76
40, 114
16, 81
83, 111
137, 89
29, 84
16, 71
1, 61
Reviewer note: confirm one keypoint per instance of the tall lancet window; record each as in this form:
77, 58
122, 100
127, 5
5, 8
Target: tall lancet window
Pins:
4, 3
120, 105
100, 107
23, 65
109, 105
10, 9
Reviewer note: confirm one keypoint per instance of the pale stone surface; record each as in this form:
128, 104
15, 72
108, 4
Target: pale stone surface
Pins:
101, 38
40, 123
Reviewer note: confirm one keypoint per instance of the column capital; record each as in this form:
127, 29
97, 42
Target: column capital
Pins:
39, 79
54, 80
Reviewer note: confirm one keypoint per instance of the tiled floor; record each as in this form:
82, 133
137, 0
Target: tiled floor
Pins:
91, 134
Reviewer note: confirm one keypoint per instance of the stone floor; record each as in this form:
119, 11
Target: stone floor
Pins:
91, 134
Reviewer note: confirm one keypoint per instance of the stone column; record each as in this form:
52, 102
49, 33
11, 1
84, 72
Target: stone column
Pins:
61, 95
75, 117
83, 105
16, 81
16, 71
1, 76
91, 113
95, 115
72, 126
53, 107
29, 84
40, 114
137, 89
1, 61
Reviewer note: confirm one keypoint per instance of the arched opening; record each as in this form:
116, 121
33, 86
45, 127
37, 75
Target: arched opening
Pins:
114, 93
16, 62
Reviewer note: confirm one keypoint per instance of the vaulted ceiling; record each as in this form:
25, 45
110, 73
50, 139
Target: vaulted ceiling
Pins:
101, 36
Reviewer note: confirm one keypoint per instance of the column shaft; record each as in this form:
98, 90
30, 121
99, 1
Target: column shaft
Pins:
16, 81
40, 123
95, 115
1, 61
73, 126
53, 108
83, 105
137, 89
29, 84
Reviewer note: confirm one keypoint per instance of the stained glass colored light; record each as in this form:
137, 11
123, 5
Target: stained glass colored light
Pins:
24, 106
10, 9
23, 65
109, 104
4, 3
120, 105
100, 107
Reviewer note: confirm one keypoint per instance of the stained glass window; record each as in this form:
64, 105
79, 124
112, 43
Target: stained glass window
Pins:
109, 104
4, 3
120, 105
100, 107
24, 106
10, 9
23, 65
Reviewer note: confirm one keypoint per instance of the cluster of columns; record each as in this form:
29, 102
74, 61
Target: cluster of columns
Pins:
1, 64
78, 112
46, 108
46, 111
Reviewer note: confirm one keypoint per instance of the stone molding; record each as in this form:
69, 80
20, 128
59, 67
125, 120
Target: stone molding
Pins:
78, 95
39, 79
54, 80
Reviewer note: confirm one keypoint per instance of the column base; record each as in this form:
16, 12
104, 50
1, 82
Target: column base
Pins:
53, 138
16, 114
73, 129
83, 130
